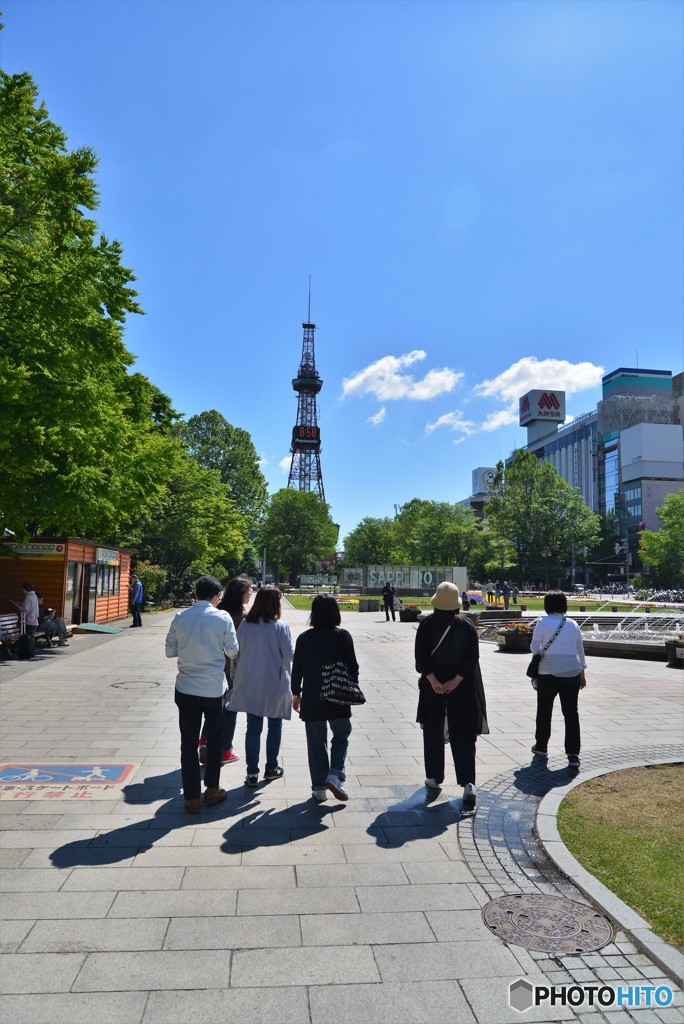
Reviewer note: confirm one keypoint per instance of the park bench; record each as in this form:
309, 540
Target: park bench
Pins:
11, 630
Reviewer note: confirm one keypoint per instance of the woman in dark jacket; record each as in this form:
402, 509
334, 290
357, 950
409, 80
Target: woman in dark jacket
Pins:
321, 644
450, 692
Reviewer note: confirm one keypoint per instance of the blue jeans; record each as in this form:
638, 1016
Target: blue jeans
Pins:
255, 724
317, 745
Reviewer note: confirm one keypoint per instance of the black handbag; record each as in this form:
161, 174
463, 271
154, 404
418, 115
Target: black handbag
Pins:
337, 686
532, 669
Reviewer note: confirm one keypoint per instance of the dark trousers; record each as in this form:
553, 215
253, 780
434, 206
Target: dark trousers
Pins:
389, 607
190, 711
137, 618
229, 723
568, 689
436, 710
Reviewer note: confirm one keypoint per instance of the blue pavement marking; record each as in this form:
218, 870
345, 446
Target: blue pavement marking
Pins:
64, 773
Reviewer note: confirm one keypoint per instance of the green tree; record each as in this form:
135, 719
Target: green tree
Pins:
192, 521
298, 523
663, 551
436, 533
216, 444
538, 513
371, 542
78, 448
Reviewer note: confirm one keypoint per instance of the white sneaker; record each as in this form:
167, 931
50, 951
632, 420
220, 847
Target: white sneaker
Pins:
431, 784
319, 795
469, 797
335, 786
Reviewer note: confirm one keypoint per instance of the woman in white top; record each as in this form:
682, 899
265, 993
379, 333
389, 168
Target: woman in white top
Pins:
261, 681
561, 672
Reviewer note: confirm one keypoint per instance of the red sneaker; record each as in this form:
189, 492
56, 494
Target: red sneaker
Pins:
228, 757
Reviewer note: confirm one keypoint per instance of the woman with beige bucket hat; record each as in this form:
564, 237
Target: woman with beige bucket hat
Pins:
451, 694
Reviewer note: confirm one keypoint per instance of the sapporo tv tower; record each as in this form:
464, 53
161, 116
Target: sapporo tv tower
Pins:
305, 468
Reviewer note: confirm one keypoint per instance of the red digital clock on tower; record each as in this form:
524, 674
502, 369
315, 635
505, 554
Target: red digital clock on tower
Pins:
306, 435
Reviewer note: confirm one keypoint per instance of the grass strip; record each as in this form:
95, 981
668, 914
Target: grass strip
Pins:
627, 829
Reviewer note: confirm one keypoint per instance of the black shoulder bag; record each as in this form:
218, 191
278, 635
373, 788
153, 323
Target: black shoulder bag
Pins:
533, 668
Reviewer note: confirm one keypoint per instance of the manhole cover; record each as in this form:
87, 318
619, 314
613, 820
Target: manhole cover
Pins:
547, 924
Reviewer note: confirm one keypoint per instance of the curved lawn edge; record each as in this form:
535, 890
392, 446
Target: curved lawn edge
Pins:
627, 919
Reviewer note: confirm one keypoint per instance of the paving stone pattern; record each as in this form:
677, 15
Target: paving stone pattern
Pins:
269, 907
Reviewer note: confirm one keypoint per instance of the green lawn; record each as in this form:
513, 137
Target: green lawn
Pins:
627, 829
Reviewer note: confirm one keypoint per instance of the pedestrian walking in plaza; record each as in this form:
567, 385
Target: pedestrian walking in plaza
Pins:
135, 600
261, 681
201, 637
506, 594
561, 672
388, 594
236, 597
323, 644
514, 593
451, 695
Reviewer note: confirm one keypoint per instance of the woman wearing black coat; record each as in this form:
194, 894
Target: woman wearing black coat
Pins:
321, 644
450, 692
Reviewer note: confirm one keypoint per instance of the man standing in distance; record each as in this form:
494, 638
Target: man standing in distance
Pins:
135, 599
201, 637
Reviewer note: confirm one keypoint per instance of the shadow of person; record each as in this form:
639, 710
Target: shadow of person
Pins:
124, 843
257, 826
537, 778
421, 814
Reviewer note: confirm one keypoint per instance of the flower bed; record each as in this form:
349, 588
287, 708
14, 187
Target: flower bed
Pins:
409, 613
515, 636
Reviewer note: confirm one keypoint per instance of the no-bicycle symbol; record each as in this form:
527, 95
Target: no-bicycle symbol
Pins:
22, 781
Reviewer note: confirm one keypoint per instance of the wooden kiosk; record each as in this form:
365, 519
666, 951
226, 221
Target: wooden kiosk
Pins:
82, 580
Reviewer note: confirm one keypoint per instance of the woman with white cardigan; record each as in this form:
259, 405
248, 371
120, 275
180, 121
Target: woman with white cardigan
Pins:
561, 671
261, 681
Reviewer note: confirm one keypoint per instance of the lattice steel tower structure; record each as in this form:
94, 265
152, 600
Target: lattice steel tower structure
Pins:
305, 468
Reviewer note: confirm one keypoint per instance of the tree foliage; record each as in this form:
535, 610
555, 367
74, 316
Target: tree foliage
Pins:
663, 552
371, 542
216, 444
192, 520
79, 452
436, 533
536, 511
298, 523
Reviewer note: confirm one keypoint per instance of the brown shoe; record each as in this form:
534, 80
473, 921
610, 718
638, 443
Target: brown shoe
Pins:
214, 796
193, 806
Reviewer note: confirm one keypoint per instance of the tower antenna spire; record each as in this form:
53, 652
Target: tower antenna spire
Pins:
308, 315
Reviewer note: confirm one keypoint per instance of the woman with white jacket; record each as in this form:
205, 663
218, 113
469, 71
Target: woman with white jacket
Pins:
561, 671
261, 681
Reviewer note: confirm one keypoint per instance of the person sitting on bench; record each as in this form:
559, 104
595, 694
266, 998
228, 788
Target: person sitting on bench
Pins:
50, 623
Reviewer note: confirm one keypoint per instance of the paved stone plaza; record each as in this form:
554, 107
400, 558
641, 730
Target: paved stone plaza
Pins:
268, 907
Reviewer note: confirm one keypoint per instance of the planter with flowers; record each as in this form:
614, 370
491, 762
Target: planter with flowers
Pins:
409, 613
675, 650
515, 636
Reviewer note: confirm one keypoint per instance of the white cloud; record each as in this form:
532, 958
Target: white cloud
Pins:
285, 463
454, 421
263, 461
530, 373
384, 379
378, 418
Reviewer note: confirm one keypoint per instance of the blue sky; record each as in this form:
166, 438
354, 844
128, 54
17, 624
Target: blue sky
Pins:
476, 188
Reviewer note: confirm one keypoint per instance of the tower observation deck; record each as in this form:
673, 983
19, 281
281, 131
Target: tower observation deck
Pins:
305, 467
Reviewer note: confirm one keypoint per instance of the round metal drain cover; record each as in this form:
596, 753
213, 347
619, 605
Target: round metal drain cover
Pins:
547, 924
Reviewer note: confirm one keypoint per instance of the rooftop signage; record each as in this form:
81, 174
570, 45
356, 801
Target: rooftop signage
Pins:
38, 550
542, 405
